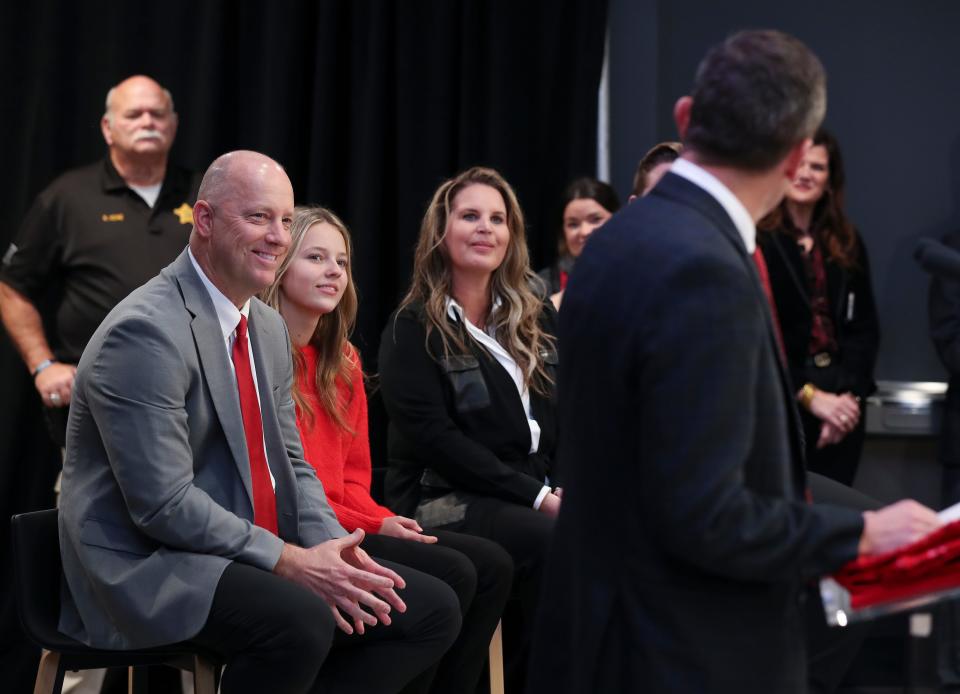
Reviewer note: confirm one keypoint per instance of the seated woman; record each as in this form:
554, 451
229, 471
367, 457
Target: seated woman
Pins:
820, 279
315, 294
467, 368
587, 204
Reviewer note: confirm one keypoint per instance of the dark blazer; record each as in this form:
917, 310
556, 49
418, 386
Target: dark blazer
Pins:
852, 309
684, 540
457, 423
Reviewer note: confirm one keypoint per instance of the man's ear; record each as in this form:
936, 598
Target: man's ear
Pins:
105, 129
681, 115
203, 218
791, 164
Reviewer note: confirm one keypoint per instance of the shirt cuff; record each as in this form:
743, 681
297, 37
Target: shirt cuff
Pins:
540, 497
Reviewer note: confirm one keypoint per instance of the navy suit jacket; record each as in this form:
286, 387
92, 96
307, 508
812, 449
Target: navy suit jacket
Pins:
684, 539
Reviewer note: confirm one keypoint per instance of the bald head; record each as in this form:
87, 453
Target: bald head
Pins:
133, 83
241, 168
241, 223
139, 122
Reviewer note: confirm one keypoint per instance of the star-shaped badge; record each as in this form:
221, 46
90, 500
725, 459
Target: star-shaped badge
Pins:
185, 213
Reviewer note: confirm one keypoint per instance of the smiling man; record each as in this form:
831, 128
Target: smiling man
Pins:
185, 491
93, 236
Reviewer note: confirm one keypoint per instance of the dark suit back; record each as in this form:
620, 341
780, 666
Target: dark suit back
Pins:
684, 537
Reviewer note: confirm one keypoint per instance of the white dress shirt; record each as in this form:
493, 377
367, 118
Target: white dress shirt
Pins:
719, 192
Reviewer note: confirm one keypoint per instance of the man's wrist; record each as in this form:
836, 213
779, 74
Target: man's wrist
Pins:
42, 366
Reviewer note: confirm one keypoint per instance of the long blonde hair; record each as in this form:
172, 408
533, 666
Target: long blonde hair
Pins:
516, 321
336, 357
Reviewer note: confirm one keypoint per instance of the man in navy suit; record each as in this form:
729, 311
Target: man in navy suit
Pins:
680, 435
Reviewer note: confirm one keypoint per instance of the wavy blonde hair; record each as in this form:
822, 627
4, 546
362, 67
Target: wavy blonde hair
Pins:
516, 322
336, 357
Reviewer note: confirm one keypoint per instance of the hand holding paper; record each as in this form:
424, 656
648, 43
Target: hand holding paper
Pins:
896, 525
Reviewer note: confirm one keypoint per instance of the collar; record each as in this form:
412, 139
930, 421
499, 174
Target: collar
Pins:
227, 314
702, 178
110, 178
455, 311
112, 181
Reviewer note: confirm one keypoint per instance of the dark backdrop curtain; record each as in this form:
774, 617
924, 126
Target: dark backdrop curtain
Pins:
369, 105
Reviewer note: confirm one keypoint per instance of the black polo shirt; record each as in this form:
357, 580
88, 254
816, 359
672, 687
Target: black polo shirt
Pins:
88, 241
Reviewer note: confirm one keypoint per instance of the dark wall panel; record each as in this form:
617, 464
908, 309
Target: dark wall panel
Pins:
893, 70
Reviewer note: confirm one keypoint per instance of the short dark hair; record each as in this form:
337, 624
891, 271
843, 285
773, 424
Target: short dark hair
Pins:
660, 153
755, 96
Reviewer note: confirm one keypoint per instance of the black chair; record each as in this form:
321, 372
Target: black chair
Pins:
37, 575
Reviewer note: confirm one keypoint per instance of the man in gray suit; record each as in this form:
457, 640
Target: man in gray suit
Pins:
187, 510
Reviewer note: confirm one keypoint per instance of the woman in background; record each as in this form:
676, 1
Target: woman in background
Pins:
820, 279
467, 368
587, 204
315, 294
655, 163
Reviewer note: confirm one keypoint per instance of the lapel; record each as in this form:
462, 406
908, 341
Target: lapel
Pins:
506, 383
215, 364
789, 252
691, 195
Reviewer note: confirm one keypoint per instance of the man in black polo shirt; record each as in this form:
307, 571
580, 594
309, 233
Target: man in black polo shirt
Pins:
95, 234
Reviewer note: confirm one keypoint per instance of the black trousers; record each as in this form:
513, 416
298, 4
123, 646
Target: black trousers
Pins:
480, 572
525, 535
831, 650
276, 636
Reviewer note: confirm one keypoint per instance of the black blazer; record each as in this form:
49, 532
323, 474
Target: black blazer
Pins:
684, 540
852, 309
457, 421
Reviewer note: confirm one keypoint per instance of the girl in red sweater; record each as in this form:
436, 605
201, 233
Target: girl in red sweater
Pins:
315, 294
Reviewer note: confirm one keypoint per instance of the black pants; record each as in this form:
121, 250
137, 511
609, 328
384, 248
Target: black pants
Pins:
276, 636
831, 650
525, 535
480, 572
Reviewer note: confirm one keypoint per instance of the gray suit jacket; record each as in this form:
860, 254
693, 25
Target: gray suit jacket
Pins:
157, 495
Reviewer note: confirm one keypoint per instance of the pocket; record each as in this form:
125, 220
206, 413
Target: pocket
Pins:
469, 388
444, 510
550, 359
100, 533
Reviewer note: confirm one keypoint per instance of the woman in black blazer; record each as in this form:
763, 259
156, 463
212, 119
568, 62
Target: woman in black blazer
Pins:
820, 278
467, 374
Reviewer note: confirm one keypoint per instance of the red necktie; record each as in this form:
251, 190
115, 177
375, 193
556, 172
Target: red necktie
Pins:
264, 501
761, 264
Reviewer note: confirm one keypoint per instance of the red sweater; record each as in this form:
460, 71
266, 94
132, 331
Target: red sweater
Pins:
341, 459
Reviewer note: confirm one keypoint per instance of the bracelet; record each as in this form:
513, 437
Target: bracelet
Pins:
806, 394
45, 364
